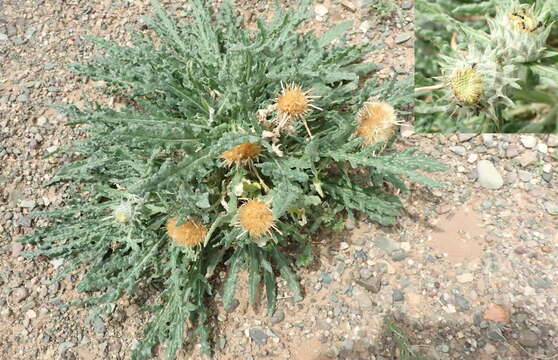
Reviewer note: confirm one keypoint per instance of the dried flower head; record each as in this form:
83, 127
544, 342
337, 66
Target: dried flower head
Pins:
377, 122
293, 101
466, 85
292, 104
256, 218
189, 234
241, 154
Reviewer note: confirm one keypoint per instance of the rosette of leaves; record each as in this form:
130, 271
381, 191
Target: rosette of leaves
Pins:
184, 182
508, 46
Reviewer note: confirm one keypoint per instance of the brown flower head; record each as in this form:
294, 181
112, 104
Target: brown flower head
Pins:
189, 234
293, 103
241, 154
377, 122
256, 218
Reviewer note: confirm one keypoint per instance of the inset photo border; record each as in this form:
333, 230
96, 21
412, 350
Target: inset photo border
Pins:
488, 66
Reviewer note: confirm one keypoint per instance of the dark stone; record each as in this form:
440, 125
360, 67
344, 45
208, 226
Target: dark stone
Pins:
461, 303
528, 338
326, 277
373, 285
232, 307
98, 325
359, 254
258, 335
540, 283
398, 255
397, 296
24, 221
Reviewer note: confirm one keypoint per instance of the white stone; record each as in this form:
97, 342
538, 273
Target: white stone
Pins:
489, 177
488, 140
472, 158
321, 10
405, 246
56, 263
528, 141
490, 349
450, 309
30, 314
464, 278
408, 132
529, 291
542, 148
365, 26
41, 121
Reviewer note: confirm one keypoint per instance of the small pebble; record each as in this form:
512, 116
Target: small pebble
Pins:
277, 317
551, 207
488, 176
528, 338
528, 141
464, 278
398, 255
19, 294
397, 296
258, 335
459, 150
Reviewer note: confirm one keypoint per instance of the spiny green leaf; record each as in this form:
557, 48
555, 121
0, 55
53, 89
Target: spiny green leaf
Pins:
230, 283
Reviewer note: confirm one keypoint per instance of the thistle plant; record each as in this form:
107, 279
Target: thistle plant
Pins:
483, 74
233, 149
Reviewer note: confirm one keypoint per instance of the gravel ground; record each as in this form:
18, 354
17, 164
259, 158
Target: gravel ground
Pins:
469, 273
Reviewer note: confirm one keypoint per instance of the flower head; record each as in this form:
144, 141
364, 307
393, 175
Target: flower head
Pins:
123, 213
377, 122
292, 104
188, 234
466, 85
523, 19
241, 154
476, 80
293, 101
256, 218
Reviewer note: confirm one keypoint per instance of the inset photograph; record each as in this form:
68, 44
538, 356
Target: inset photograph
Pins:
486, 67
